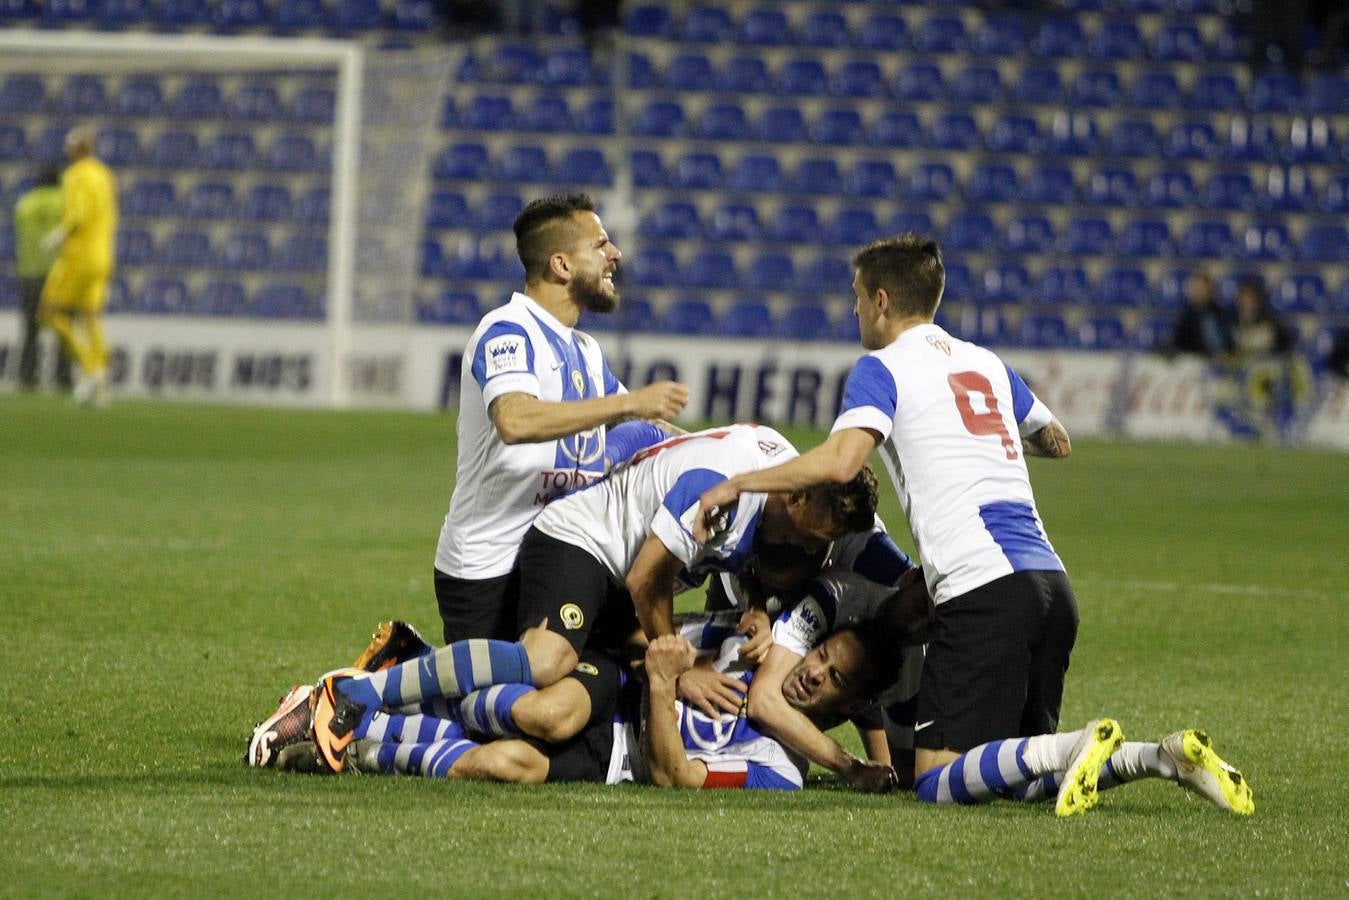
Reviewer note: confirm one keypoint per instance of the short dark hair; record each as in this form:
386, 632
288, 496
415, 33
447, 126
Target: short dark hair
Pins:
909, 267
852, 504
544, 226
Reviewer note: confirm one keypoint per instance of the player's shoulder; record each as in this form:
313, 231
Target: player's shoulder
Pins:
508, 317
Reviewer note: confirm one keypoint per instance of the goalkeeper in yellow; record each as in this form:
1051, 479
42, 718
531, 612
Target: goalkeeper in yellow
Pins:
77, 287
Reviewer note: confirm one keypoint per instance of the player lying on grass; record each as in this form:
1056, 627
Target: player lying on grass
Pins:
601, 562
634, 729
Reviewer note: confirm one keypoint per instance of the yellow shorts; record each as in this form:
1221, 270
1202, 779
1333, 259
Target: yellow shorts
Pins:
75, 287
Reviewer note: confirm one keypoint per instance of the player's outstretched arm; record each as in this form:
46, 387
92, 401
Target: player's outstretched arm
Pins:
666, 659
771, 712
524, 419
1050, 441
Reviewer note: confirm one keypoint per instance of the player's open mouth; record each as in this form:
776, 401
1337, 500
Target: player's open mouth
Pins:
795, 689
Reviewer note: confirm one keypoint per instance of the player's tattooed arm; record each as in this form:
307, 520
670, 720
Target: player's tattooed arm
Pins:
1051, 441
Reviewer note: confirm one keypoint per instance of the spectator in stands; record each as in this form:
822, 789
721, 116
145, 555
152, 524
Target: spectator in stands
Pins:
1337, 360
37, 212
77, 287
1273, 379
1204, 326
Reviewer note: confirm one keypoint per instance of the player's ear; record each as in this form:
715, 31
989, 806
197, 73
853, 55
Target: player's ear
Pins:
883, 301
560, 266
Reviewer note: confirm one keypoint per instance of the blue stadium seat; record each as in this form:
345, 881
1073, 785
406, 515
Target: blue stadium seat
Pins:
1155, 89
140, 96
149, 198
1030, 234
1250, 141
771, 272
174, 150
688, 72
434, 262
634, 315
977, 84
1088, 236
1275, 91
174, 14
301, 253
1097, 87
824, 28
672, 220
1145, 237
919, 82
292, 153
1266, 241
135, 247
734, 222
230, 150
446, 209
584, 166
688, 316
299, 15
973, 232
1002, 35
838, 127
1208, 240
959, 283
497, 212
111, 15
846, 330
1118, 39
1339, 302
1045, 331
1325, 243
648, 170
883, 32
1230, 190
490, 112
199, 98
1327, 94
1006, 283
220, 298
782, 125
698, 171
872, 178
660, 118
853, 226
795, 224
652, 20
312, 207
1102, 332
1113, 187
803, 78
209, 200
1297, 294
119, 147
804, 322
858, 79
745, 75
1064, 284
1014, 133
463, 161
1192, 140
164, 296
1059, 36
765, 27
906, 220
314, 103
1215, 92
1172, 189
281, 301
654, 267
525, 163
723, 122
1170, 293
255, 102
642, 74
993, 183
707, 24
1311, 141
1122, 287
954, 131
896, 129
941, 34
1153, 334
933, 182
512, 63
453, 307
547, 113
756, 173
1133, 137
185, 248
827, 276
231, 15
1288, 190
565, 67
1072, 134
1335, 195
246, 251
1178, 42
817, 175
711, 269
83, 95
597, 117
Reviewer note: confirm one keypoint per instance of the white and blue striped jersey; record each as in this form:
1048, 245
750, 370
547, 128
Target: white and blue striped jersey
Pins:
656, 492
952, 415
499, 488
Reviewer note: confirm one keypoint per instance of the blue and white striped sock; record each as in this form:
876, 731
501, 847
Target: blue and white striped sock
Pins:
490, 710
450, 673
1132, 761
412, 729
998, 769
433, 760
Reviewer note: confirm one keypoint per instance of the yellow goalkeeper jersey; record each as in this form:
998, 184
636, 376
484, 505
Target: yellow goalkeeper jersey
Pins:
89, 214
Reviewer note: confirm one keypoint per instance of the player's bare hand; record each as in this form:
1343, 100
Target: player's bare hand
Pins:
669, 656
871, 778
712, 692
710, 505
756, 625
660, 400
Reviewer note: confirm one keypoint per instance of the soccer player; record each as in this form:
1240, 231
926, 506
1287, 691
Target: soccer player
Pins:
36, 213
954, 425
76, 289
535, 397
603, 562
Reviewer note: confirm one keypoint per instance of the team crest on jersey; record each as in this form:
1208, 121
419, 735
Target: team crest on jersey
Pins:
572, 617
586, 668
941, 344
578, 381
583, 450
506, 354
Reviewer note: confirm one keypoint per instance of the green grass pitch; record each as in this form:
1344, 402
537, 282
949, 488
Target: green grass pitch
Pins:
167, 570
